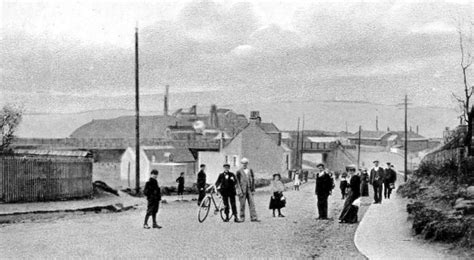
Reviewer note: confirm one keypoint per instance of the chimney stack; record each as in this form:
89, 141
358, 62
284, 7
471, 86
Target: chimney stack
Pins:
388, 129
377, 123
417, 129
165, 109
255, 117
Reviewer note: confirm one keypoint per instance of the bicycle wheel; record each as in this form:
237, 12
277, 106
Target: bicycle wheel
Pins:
221, 208
204, 209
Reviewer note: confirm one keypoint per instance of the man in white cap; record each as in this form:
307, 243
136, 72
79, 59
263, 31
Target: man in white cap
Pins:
245, 190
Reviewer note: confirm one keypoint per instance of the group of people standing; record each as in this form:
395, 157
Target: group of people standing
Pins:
242, 184
230, 185
357, 186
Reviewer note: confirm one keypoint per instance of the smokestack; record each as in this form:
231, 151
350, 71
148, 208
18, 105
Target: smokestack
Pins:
417, 129
376, 123
165, 109
388, 129
214, 121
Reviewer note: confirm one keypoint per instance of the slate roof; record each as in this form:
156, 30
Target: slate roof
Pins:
124, 127
269, 128
63, 153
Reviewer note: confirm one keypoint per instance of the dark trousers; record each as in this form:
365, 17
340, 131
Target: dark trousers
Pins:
323, 206
226, 198
377, 192
386, 190
152, 210
202, 194
343, 192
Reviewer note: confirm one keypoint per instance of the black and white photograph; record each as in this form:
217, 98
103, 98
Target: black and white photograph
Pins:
237, 129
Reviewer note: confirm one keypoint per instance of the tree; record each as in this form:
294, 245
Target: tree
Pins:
466, 48
10, 119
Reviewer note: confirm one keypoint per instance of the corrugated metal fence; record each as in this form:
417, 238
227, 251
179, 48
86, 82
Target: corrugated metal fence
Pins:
44, 178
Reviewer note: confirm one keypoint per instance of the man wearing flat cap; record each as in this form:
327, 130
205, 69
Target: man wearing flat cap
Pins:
226, 183
377, 176
245, 190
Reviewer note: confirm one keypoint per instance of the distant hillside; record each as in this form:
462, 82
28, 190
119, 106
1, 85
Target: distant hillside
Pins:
323, 115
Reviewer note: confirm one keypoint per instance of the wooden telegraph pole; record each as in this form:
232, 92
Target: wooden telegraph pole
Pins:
358, 148
302, 144
406, 137
137, 119
297, 158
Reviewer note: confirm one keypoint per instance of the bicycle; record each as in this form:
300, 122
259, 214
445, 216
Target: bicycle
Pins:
208, 201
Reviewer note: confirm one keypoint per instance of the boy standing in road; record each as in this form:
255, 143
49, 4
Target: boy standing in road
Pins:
153, 194
201, 183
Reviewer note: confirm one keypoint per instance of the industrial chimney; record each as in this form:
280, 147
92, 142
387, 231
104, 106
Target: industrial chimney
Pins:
165, 109
376, 123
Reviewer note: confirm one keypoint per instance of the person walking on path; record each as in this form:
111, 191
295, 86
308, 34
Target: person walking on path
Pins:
297, 180
324, 186
343, 185
389, 181
180, 181
349, 211
226, 183
377, 175
277, 200
153, 194
201, 183
246, 189
364, 183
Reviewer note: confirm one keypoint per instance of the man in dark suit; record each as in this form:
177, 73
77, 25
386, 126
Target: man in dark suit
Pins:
153, 194
377, 175
389, 180
246, 189
324, 186
201, 183
226, 183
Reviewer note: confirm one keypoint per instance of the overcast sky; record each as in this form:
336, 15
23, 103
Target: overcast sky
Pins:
53, 51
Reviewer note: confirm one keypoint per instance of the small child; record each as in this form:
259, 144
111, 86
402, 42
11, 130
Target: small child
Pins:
343, 185
180, 181
297, 181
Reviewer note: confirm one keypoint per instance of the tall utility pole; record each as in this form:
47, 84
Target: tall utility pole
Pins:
358, 148
297, 158
406, 137
302, 144
137, 118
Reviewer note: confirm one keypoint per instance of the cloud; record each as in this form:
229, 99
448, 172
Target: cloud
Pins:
330, 49
437, 27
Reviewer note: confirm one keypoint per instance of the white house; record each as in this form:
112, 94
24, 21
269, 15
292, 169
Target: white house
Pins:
169, 161
259, 142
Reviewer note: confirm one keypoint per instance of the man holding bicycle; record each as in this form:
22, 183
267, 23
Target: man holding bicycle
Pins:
226, 185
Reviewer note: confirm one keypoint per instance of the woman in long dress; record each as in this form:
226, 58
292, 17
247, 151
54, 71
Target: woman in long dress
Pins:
349, 211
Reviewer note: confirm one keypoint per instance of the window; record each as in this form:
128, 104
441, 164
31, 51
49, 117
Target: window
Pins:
226, 160
234, 162
153, 158
287, 161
